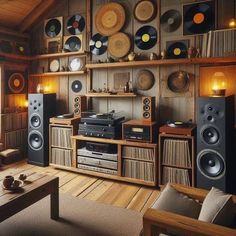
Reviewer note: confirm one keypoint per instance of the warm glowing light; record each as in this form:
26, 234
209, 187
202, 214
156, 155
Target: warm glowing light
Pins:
47, 88
232, 23
218, 84
26, 103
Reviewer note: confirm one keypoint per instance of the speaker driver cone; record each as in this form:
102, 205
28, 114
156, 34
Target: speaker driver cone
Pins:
35, 140
211, 164
146, 115
35, 121
210, 135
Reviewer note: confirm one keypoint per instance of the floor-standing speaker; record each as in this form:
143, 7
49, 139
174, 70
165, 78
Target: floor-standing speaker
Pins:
41, 108
215, 132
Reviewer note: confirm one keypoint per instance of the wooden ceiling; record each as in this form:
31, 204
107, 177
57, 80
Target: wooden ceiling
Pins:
20, 15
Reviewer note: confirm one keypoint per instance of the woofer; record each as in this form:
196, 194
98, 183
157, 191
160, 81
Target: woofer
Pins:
211, 164
35, 120
146, 108
210, 135
35, 140
146, 115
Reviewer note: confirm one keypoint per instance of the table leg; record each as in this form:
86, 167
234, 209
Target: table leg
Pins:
55, 201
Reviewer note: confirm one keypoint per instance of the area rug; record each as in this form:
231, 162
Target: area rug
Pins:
78, 217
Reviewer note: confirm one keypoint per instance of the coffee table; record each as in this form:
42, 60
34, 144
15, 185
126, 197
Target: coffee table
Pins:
36, 187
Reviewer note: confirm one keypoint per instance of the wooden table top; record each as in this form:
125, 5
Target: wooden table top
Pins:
33, 181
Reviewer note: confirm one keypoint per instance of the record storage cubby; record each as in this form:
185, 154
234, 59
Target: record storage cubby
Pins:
123, 173
176, 159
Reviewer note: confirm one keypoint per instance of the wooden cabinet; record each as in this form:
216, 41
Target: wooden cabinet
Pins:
177, 155
132, 165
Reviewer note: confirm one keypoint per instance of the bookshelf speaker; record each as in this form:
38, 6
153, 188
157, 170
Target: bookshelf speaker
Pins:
80, 105
41, 108
148, 108
215, 133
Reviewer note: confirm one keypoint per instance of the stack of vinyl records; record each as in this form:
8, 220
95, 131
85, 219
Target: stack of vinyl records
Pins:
138, 153
61, 157
97, 161
176, 153
61, 137
15, 139
15, 121
138, 169
175, 175
219, 43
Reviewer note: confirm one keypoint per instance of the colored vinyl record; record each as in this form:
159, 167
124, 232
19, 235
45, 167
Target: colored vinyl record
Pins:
171, 20
98, 44
177, 49
16, 83
198, 18
53, 28
72, 44
146, 37
76, 24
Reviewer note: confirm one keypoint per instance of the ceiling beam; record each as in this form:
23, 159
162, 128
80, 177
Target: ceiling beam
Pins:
38, 11
8, 31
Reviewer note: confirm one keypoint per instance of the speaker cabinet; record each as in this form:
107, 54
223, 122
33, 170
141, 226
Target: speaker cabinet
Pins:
80, 105
215, 135
148, 108
41, 108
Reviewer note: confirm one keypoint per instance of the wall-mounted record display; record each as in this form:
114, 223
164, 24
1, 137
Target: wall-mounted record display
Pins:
76, 86
171, 20
145, 37
53, 45
198, 18
53, 27
72, 43
145, 80
16, 82
110, 18
178, 82
76, 64
177, 49
144, 11
119, 45
98, 44
75, 24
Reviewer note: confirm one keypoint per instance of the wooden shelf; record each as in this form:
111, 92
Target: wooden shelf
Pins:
58, 73
54, 146
176, 166
212, 60
104, 95
15, 56
62, 54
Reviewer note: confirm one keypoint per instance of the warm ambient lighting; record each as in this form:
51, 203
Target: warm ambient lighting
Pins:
232, 23
219, 84
26, 103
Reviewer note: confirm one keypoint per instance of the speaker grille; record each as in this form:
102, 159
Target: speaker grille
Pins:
35, 140
210, 135
211, 164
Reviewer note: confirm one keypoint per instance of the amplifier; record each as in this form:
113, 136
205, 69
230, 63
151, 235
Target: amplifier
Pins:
101, 147
102, 131
97, 169
139, 130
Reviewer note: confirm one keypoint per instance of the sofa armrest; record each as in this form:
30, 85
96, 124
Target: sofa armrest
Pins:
164, 221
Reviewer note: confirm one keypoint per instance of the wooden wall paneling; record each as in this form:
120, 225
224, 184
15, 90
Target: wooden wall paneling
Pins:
1, 87
62, 95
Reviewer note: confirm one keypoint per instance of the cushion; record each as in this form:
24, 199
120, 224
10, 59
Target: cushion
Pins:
173, 201
218, 208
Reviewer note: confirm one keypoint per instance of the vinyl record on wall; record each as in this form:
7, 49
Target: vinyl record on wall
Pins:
145, 11
178, 82
76, 86
198, 18
75, 24
98, 44
171, 20
16, 82
145, 37
72, 44
53, 27
177, 49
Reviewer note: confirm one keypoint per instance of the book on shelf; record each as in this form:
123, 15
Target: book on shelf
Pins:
61, 137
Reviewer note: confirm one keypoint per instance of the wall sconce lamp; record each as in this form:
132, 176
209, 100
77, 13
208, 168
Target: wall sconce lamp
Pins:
232, 22
218, 84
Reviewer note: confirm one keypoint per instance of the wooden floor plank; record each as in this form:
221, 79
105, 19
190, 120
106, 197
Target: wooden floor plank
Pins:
90, 188
140, 199
150, 200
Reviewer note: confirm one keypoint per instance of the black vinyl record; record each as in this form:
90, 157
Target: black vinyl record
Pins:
176, 50
76, 24
98, 44
76, 86
171, 20
72, 44
53, 28
198, 18
146, 37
